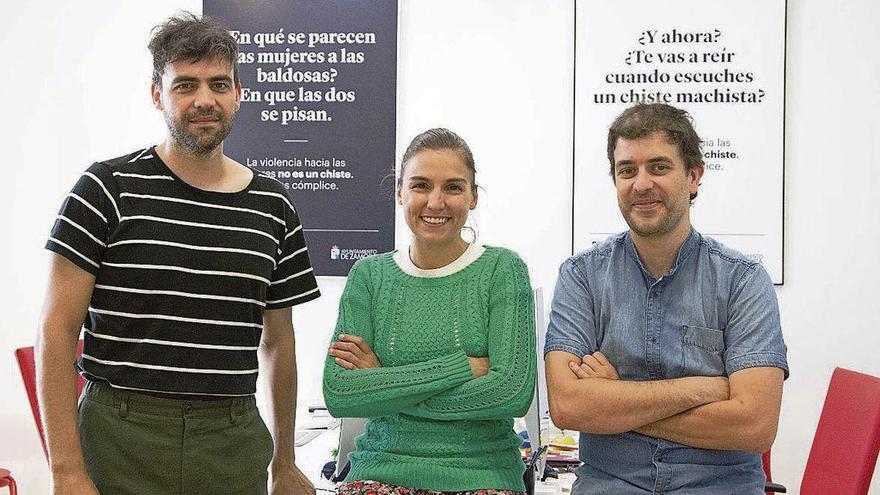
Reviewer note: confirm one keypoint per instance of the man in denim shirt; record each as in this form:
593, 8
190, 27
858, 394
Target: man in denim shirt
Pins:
664, 347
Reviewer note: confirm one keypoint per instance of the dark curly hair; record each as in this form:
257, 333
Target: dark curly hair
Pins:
189, 37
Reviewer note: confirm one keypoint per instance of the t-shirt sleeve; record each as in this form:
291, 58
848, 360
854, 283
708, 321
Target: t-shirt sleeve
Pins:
88, 215
293, 281
753, 337
572, 325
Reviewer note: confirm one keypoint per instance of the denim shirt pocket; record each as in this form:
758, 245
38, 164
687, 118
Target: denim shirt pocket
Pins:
702, 351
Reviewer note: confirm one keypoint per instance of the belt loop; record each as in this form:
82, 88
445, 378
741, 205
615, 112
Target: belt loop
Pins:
85, 392
123, 405
92, 389
233, 413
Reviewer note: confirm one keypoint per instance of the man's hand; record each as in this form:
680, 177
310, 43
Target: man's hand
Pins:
64, 310
719, 389
479, 366
353, 353
278, 369
73, 484
617, 405
287, 479
594, 365
743, 416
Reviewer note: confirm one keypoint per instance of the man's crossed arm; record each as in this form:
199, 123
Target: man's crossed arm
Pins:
741, 413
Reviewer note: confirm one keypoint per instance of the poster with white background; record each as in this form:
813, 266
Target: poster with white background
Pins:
723, 62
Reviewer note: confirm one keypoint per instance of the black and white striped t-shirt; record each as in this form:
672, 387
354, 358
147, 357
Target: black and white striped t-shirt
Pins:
182, 275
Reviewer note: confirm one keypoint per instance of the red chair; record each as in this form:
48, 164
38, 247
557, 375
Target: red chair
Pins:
847, 441
770, 486
25, 357
6, 480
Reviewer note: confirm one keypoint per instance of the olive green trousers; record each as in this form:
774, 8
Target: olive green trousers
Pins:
140, 444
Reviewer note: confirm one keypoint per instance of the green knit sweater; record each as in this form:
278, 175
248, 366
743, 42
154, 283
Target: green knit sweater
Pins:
432, 424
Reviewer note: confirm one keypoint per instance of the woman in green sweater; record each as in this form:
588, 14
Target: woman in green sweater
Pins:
435, 344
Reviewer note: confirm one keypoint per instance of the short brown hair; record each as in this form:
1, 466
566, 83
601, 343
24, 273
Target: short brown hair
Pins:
643, 119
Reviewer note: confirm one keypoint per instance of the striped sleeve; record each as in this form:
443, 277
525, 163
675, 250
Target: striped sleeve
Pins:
87, 216
293, 281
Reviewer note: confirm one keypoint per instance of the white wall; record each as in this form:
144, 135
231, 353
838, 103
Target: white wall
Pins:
832, 225
500, 73
75, 80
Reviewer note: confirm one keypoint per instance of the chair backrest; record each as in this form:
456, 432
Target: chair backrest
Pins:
533, 416
349, 428
844, 451
27, 366
7, 481
765, 460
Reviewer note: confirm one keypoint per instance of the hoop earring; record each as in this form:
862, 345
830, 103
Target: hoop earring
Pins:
473, 232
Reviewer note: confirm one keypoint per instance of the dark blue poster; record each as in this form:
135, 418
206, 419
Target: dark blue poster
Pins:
318, 113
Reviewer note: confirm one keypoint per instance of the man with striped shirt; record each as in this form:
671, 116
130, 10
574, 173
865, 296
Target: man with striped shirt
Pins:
184, 265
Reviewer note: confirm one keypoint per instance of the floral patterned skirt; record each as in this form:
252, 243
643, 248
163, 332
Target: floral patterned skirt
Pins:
369, 487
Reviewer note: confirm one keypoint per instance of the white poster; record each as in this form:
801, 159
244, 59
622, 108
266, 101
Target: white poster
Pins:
723, 62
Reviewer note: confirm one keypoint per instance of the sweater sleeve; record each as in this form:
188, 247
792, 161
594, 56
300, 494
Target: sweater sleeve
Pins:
387, 390
506, 391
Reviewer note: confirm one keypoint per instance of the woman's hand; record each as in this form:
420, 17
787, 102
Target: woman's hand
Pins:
479, 366
352, 353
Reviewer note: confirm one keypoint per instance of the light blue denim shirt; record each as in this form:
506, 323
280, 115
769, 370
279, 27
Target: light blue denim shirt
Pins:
713, 314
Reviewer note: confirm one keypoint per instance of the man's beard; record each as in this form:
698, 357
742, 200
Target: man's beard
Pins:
203, 143
664, 225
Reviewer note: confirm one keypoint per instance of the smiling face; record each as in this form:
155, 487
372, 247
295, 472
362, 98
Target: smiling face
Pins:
199, 101
653, 185
437, 191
